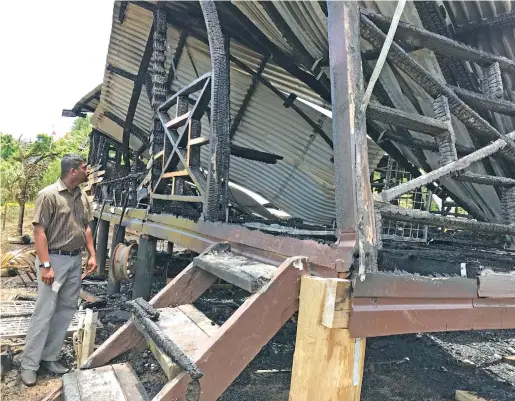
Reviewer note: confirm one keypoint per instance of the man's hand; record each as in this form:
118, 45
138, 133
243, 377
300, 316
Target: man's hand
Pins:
92, 265
47, 275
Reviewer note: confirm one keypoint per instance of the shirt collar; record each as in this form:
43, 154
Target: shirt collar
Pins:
61, 186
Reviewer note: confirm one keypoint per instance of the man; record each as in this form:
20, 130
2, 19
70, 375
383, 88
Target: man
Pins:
61, 231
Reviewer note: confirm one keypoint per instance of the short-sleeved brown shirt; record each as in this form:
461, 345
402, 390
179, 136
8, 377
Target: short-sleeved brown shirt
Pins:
64, 214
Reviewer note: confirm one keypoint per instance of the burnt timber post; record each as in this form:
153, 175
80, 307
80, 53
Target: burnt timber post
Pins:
102, 240
324, 348
216, 200
144, 267
113, 287
93, 225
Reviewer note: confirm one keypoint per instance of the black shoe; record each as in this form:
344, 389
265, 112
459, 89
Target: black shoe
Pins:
28, 377
54, 367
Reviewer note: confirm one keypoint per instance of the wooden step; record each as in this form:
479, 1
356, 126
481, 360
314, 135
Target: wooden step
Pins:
187, 327
178, 121
239, 270
113, 382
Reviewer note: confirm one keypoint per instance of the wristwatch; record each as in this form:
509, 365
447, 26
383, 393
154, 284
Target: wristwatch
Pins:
45, 265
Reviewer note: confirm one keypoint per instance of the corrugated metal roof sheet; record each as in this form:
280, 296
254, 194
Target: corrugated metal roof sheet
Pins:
303, 183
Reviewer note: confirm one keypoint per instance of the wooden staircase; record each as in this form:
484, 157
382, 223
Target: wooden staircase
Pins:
220, 353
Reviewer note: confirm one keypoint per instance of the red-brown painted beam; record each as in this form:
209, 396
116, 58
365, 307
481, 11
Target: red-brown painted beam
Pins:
241, 337
371, 317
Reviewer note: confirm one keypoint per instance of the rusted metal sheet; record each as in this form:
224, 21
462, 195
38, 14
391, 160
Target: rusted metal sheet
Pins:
327, 260
497, 285
383, 285
371, 317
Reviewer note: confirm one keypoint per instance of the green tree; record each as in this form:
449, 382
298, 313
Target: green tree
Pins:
8, 146
42, 144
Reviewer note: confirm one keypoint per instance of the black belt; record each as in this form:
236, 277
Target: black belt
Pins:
65, 253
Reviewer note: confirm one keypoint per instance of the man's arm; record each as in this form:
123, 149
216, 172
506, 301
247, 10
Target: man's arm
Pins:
41, 242
92, 261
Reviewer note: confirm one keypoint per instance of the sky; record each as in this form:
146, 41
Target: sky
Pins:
53, 52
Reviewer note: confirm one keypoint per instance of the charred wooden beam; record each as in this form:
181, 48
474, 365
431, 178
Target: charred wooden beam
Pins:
355, 216
136, 91
426, 145
121, 72
446, 170
482, 102
485, 179
299, 111
135, 130
176, 58
501, 21
418, 216
121, 13
252, 154
434, 87
248, 96
418, 37
216, 198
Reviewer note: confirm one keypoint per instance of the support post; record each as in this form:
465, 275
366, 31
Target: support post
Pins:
113, 287
144, 267
354, 202
93, 225
102, 239
169, 247
328, 363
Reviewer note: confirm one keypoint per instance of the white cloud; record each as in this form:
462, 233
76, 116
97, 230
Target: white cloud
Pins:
53, 53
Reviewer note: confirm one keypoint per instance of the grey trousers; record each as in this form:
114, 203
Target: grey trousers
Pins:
55, 306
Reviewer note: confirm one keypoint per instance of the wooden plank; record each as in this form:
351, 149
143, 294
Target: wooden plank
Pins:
190, 284
178, 121
180, 173
509, 359
239, 270
247, 330
384, 285
207, 325
467, 396
183, 331
100, 383
131, 386
56, 395
328, 363
336, 303
203, 140
497, 285
88, 339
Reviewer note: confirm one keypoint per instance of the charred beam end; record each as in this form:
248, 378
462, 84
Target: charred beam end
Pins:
136, 91
256, 155
121, 72
284, 98
248, 96
485, 179
417, 216
164, 342
502, 21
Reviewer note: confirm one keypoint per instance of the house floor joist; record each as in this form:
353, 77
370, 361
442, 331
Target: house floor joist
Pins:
382, 304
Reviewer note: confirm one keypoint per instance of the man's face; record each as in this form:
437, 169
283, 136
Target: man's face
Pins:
81, 174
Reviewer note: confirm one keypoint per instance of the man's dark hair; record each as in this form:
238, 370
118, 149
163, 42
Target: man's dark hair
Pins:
70, 161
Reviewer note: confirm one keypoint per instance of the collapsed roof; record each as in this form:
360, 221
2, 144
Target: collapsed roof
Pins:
286, 44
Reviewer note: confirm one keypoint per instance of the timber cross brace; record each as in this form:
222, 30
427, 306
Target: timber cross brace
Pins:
361, 228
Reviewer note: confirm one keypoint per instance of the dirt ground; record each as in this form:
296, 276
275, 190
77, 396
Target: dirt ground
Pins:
428, 367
